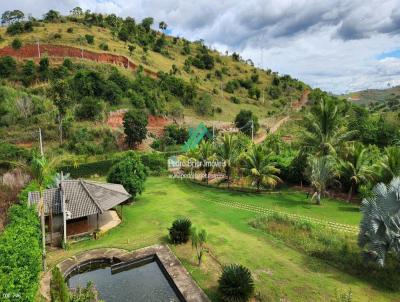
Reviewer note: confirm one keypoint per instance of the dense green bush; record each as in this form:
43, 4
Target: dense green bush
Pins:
16, 44
89, 39
235, 284
244, 121
8, 66
129, 172
20, 253
179, 232
89, 109
177, 134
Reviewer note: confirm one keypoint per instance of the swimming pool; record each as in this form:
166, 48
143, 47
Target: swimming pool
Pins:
143, 280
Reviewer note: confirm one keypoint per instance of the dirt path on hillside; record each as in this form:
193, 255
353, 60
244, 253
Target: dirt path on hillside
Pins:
30, 51
296, 106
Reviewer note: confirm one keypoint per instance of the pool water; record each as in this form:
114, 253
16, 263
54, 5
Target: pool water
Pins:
146, 283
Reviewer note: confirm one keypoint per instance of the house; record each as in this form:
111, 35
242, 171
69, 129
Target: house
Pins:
78, 207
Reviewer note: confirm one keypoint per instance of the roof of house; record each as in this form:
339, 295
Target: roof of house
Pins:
82, 198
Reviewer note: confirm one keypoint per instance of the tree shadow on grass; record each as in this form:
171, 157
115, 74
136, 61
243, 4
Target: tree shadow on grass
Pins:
348, 209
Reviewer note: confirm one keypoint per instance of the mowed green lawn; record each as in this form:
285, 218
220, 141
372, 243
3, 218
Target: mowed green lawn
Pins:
279, 271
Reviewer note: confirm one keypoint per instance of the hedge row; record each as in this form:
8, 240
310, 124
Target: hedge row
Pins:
20, 253
156, 164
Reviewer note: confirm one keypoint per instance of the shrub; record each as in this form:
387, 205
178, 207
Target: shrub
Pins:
235, 284
58, 288
235, 100
89, 109
15, 28
203, 106
177, 134
104, 46
16, 44
8, 66
89, 39
180, 230
244, 119
129, 172
70, 30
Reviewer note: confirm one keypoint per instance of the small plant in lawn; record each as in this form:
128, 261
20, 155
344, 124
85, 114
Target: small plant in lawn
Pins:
199, 238
180, 230
235, 284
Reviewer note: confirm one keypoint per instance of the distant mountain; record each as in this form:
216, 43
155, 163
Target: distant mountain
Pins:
369, 96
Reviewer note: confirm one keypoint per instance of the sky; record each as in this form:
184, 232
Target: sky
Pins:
337, 45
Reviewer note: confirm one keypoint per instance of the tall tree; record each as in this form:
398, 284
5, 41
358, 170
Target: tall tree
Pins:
321, 171
206, 154
325, 128
356, 167
227, 151
258, 166
135, 123
163, 26
76, 12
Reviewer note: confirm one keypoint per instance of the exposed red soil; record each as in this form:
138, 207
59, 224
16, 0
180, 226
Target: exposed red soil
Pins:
62, 51
116, 118
155, 126
302, 101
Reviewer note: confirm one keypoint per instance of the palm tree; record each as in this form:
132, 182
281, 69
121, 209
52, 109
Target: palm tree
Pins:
321, 172
380, 224
257, 165
199, 238
206, 154
356, 167
228, 151
390, 165
325, 129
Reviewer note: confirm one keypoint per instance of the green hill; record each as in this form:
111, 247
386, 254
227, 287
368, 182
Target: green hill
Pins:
189, 79
377, 98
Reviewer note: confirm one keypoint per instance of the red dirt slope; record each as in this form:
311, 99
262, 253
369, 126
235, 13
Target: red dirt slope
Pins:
58, 51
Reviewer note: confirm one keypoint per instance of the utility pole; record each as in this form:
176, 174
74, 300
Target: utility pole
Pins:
63, 210
38, 47
41, 142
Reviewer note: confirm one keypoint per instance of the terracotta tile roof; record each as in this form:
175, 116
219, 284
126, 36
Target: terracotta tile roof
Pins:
82, 197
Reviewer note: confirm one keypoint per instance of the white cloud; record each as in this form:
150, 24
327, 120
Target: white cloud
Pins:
332, 44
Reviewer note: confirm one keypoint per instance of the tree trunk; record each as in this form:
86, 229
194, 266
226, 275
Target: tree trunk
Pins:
42, 222
350, 195
319, 198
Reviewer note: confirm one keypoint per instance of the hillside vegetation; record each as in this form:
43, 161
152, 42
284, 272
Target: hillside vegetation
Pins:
225, 83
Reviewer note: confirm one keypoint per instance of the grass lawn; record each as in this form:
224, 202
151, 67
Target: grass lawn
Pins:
279, 271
